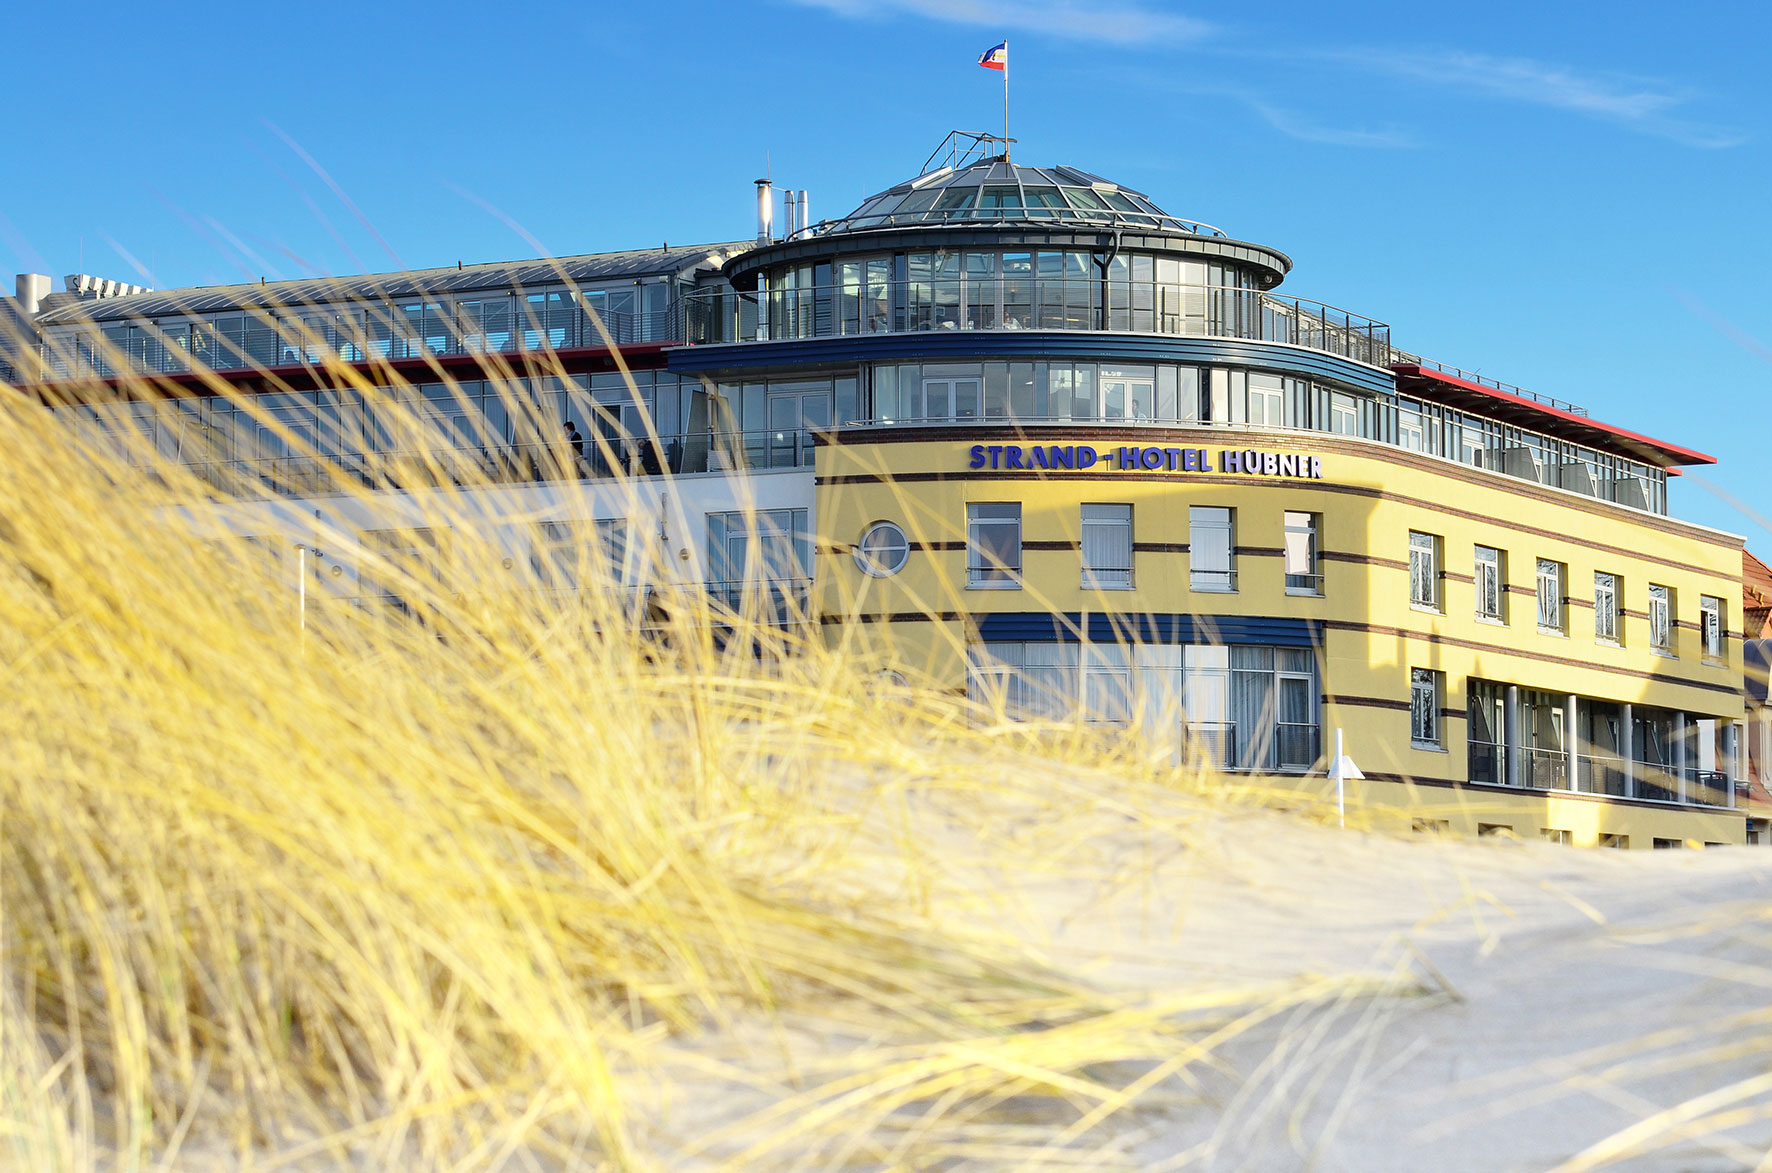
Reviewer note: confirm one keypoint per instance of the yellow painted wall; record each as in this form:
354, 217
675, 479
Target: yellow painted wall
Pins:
1370, 497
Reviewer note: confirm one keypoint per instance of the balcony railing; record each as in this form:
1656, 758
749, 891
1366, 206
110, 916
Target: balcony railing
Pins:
173, 348
1032, 303
677, 453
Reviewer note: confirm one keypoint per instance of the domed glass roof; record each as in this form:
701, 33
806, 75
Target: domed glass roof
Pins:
995, 191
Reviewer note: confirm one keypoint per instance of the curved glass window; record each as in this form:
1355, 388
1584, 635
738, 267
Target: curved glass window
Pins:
956, 199
1046, 201
883, 550
1000, 201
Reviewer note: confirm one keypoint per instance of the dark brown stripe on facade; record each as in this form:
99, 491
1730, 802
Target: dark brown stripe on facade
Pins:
1541, 657
1316, 442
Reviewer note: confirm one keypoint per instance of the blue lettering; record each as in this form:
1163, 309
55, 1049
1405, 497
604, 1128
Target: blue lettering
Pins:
1127, 458
1086, 456
1153, 458
1233, 461
1288, 465
1037, 457
1065, 457
995, 450
1317, 467
1012, 456
977, 456
1251, 461
1175, 457
1190, 460
1206, 461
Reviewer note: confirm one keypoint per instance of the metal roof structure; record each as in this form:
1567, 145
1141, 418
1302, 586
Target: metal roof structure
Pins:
994, 191
588, 269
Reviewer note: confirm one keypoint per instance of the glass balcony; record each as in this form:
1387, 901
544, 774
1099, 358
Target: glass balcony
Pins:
1032, 303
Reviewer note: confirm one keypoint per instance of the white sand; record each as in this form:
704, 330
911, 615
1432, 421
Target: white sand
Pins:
1569, 995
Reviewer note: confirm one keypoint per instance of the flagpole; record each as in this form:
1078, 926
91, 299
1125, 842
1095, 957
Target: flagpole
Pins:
1005, 101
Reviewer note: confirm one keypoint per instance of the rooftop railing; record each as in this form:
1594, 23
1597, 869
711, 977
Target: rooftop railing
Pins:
1400, 357
1032, 303
683, 453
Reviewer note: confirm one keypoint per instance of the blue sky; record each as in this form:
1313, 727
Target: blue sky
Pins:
1568, 197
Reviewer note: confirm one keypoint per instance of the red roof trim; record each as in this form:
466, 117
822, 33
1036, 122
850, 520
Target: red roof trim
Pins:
1678, 454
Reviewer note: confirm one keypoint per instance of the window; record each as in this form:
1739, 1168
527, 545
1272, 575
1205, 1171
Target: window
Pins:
1606, 607
1302, 577
1409, 430
1710, 612
1210, 552
993, 545
1424, 570
562, 559
1107, 547
1424, 707
1661, 614
883, 550
1344, 417
1491, 590
1550, 596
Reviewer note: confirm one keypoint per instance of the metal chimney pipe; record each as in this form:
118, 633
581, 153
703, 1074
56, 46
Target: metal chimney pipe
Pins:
805, 211
790, 209
765, 211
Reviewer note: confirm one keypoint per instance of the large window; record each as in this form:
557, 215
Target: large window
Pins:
1550, 596
1606, 607
1661, 619
763, 545
1424, 707
1237, 707
993, 545
1710, 613
1302, 574
1211, 550
1424, 570
1107, 547
1491, 584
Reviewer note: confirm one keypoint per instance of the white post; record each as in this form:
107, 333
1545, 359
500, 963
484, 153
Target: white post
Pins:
1340, 786
1005, 101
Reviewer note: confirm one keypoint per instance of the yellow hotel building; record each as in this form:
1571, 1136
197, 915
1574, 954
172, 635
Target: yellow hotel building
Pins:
1018, 432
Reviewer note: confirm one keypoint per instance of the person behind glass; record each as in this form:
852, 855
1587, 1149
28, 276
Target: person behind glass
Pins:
576, 443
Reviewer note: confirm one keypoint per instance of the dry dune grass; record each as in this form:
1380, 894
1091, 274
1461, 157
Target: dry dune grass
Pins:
513, 880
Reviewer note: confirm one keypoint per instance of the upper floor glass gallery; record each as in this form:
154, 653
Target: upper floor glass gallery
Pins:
986, 292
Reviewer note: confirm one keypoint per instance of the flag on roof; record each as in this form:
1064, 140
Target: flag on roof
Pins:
997, 58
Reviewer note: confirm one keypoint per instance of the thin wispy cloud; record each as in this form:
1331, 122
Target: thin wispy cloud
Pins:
1638, 103
1118, 24
1294, 125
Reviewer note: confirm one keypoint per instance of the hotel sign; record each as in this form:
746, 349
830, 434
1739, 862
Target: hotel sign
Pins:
1052, 457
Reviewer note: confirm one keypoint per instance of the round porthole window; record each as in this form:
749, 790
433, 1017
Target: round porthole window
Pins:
883, 550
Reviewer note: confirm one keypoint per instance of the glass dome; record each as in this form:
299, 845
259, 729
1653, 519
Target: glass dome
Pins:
992, 191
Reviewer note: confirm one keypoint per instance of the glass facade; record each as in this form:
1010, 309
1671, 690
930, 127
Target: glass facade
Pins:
485, 321
1244, 707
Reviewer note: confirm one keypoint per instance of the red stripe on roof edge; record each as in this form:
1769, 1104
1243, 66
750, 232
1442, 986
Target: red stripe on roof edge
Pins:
1686, 455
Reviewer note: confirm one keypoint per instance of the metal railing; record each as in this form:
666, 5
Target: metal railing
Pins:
1400, 357
1297, 746
1602, 774
1220, 581
1032, 303
676, 453
1213, 742
1487, 763
1304, 584
1543, 769
779, 602
175, 348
